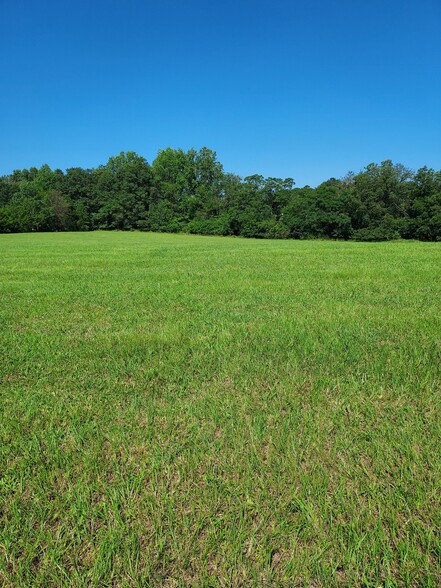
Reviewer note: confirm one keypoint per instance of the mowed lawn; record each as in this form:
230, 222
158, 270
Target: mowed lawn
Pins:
201, 411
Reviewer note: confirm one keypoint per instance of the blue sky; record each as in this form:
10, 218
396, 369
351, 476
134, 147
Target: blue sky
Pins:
307, 89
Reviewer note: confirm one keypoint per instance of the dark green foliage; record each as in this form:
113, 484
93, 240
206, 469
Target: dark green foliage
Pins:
188, 191
219, 225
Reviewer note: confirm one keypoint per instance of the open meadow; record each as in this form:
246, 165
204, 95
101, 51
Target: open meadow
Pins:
204, 411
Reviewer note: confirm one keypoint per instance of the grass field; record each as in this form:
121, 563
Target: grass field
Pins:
191, 411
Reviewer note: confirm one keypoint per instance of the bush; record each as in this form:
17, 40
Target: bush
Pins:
375, 234
275, 230
213, 226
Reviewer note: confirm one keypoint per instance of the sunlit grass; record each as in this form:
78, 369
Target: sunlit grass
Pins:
190, 411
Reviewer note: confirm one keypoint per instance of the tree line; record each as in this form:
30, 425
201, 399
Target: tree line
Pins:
188, 191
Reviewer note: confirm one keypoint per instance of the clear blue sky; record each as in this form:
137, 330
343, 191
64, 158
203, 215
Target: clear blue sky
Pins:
308, 89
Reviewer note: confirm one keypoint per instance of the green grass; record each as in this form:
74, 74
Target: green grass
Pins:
190, 411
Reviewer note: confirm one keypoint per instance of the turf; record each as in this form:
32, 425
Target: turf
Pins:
201, 411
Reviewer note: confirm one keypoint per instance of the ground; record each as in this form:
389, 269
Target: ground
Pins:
201, 411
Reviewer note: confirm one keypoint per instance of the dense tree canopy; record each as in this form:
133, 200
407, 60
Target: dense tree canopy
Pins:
190, 192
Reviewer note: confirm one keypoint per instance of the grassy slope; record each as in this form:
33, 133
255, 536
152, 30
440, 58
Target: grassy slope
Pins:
190, 411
